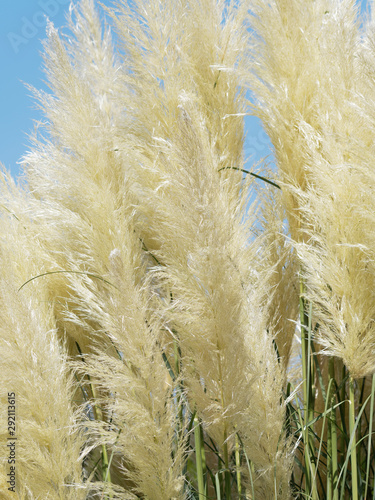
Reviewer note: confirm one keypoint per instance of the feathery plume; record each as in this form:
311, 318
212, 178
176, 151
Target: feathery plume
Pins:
190, 207
104, 307
34, 370
315, 114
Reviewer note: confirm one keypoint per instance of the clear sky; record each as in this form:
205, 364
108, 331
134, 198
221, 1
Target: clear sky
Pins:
22, 27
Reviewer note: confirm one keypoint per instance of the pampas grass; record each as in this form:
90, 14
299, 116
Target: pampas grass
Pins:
48, 442
176, 325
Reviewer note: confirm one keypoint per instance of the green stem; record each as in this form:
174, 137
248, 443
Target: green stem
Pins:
90, 275
353, 451
99, 416
227, 477
199, 459
370, 434
177, 362
304, 345
305, 320
106, 474
332, 449
257, 176
238, 467
227, 471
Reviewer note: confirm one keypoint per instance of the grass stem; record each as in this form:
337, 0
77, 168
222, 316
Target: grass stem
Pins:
308, 403
332, 469
369, 445
238, 467
200, 459
353, 451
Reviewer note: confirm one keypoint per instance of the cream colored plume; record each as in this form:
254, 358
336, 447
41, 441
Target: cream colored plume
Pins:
317, 65
34, 368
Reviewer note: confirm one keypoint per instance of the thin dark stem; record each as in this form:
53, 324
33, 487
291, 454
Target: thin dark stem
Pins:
90, 275
251, 173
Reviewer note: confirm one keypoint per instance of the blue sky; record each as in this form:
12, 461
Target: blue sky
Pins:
22, 27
